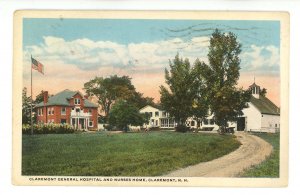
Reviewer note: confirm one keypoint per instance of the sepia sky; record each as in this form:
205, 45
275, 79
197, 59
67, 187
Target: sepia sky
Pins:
74, 51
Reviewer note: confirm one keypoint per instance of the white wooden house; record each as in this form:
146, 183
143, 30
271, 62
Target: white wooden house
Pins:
157, 118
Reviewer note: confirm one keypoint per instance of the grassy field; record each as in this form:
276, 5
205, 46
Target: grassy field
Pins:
270, 167
124, 154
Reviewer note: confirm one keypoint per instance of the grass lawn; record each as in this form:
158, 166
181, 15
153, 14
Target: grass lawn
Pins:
270, 167
124, 154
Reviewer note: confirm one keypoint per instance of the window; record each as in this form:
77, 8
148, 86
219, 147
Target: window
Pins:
205, 121
50, 111
275, 125
77, 109
63, 121
77, 101
150, 114
156, 113
63, 111
40, 111
90, 111
91, 123
152, 121
164, 114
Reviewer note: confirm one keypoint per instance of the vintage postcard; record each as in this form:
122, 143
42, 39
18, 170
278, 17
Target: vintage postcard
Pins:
150, 98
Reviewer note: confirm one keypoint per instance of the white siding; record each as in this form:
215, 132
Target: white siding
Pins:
253, 118
270, 123
154, 119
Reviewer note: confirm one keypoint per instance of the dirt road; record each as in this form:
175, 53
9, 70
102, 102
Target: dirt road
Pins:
252, 151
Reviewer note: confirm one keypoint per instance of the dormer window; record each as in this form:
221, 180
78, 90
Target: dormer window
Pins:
77, 101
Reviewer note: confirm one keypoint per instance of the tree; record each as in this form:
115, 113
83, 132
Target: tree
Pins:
40, 97
108, 90
263, 92
26, 107
139, 101
201, 103
222, 73
111, 89
123, 114
178, 99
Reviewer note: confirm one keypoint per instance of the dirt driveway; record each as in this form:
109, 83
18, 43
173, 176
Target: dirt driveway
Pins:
252, 151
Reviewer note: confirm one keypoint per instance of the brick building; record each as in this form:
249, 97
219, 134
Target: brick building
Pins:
69, 107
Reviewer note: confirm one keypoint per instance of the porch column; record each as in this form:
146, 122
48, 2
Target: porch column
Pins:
86, 124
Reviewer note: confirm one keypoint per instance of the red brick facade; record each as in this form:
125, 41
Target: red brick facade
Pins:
85, 116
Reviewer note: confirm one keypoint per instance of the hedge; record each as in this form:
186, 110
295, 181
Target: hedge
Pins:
48, 129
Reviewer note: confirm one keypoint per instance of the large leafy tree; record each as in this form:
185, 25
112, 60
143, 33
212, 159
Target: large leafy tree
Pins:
222, 73
109, 90
124, 113
182, 90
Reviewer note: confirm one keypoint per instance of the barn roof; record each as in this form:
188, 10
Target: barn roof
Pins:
265, 106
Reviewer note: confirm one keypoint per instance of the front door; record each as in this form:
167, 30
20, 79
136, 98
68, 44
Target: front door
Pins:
241, 123
81, 123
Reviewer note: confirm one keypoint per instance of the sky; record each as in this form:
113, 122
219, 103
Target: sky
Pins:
74, 51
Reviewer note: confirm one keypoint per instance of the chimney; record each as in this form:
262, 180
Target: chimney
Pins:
45, 97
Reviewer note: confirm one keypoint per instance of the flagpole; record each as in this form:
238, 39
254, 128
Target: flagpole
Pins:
31, 98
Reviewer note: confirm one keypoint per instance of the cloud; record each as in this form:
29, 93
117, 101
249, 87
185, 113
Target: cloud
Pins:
261, 58
87, 54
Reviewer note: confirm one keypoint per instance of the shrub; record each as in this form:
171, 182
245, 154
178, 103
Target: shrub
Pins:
182, 128
48, 129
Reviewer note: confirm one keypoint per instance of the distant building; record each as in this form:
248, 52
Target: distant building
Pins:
68, 107
157, 118
262, 115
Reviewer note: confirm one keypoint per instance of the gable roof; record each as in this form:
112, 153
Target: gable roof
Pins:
150, 107
264, 105
61, 99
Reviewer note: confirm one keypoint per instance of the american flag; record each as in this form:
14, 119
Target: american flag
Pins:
36, 65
